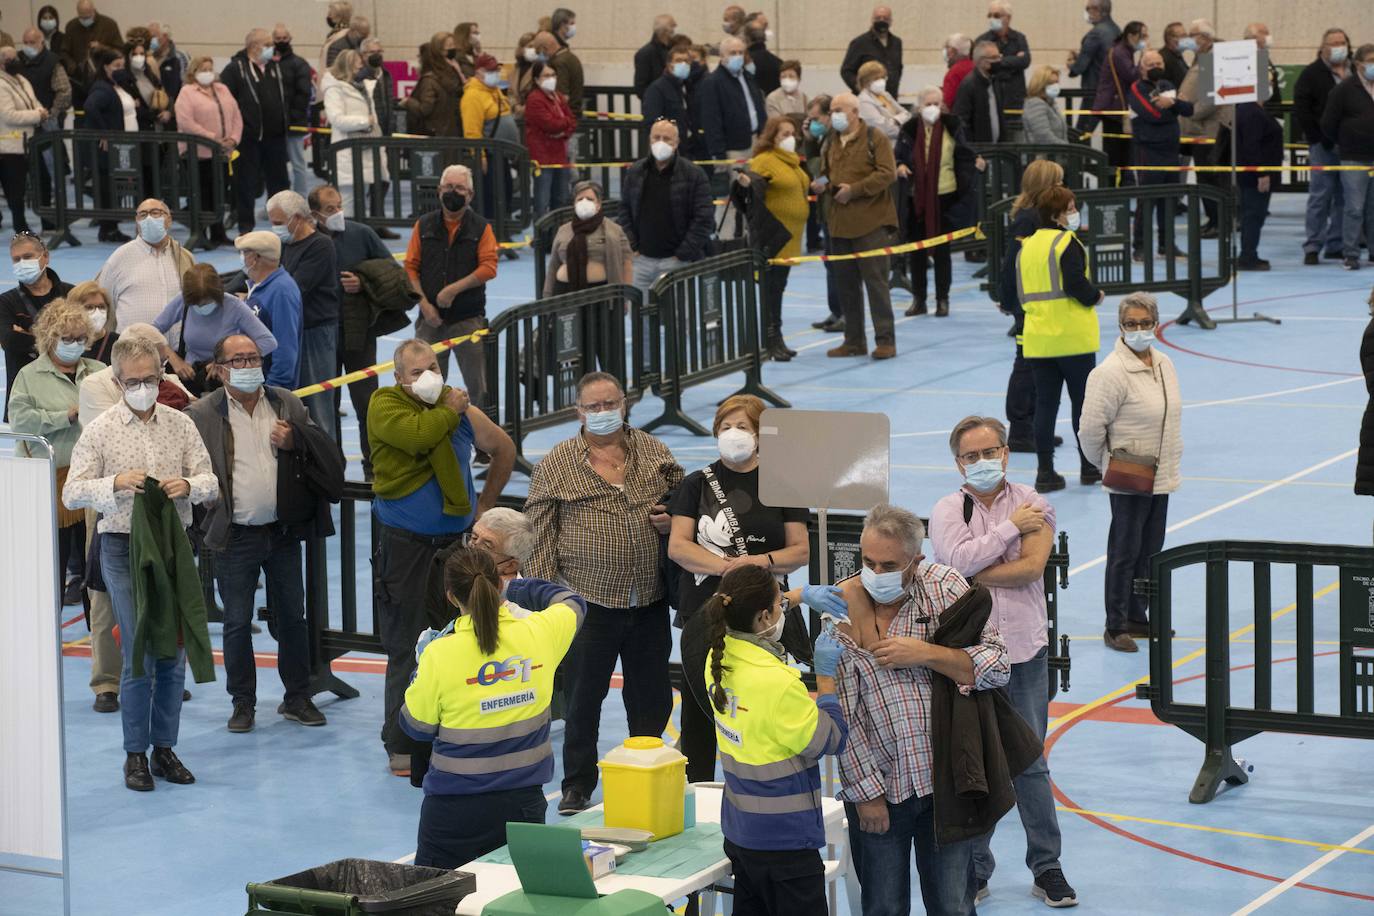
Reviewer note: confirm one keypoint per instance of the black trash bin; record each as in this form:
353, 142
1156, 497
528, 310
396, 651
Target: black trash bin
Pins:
353, 887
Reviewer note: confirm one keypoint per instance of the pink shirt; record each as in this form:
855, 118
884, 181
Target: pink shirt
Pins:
198, 113
990, 539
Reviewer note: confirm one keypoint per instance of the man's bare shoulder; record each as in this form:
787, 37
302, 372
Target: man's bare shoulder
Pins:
861, 626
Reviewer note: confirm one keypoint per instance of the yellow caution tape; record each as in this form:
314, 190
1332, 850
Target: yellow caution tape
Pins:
904, 248
374, 371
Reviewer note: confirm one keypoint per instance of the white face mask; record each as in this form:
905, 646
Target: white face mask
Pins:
1052, 90
774, 633
662, 150
736, 445
137, 61
334, 222
205, 77
572, 30
788, 144
789, 85
491, 77
549, 85
878, 86
768, 36
531, 55
95, 320
427, 387
585, 208
994, 24
1075, 220
141, 398
930, 114
1087, 16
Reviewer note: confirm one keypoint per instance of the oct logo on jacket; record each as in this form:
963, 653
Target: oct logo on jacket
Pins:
516, 669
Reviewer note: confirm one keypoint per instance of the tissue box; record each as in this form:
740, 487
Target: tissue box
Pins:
600, 860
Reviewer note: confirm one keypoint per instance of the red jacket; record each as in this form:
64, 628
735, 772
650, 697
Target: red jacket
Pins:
549, 123
953, 77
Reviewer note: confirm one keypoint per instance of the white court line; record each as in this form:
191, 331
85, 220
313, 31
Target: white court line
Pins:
1304, 873
1231, 503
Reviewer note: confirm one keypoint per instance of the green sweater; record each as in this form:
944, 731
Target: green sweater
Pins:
412, 443
40, 399
170, 607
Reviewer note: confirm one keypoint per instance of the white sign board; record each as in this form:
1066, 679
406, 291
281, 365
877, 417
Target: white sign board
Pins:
1235, 72
823, 459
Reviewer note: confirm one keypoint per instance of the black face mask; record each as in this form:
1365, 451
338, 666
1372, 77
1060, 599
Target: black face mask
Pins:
374, 61
881, 26
283, 48
329, 23
123, 77
451, 53
1154, 74
453, 201
12, 66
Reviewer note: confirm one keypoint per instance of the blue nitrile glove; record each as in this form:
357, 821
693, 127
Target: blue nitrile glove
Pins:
826, 599
428, 636
826, 654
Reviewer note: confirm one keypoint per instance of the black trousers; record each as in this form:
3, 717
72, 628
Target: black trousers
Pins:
1254, 210
360, 392
1051, 375
205, 175
641, 639
1118, 151
71, 545
774, 285
920, 260
455, 829
698, 741
1021, 401
14, 173
260, 162
777, 882
1145, 156
1136, 534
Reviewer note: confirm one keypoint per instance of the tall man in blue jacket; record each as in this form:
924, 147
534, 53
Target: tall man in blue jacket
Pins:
1087, 61
1155, 110
731, 110
276, 300
309, 258
665, 208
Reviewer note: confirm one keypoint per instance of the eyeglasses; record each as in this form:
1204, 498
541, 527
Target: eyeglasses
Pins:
155, 213
602, 406
79, 338
131, 384
242, 362
1144, 324
986, 454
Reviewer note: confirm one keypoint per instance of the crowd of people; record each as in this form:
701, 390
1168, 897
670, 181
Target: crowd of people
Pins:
167, 394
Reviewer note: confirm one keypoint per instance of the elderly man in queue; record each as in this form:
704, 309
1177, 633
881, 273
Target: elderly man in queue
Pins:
857, 171
885, 687
423, 434
1155, 110
1207, 118
665, 208
502, 532
1003, 532
130, 446
879, 44
598, 507
276, 300
451, 258
248, 428
144, 274
1092, 53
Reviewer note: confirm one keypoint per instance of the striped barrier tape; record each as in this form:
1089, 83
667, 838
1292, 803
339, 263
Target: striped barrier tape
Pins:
374, 371
537, 167
904, 248
1246, 168
612, 116
1071, 111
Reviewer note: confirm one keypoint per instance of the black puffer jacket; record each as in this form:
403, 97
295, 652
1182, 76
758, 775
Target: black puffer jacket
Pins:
1364, 461
693, 213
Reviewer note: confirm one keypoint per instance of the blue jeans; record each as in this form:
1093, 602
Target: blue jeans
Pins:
1028, 691
271, 550
1357, 217
319, 361
550, 191
883, 862
149, 706
1324, 202
302, 179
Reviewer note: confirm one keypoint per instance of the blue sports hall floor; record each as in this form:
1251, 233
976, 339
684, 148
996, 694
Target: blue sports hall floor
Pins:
1271, 417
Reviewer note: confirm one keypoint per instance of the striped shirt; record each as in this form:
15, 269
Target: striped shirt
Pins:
888, 709
594, 536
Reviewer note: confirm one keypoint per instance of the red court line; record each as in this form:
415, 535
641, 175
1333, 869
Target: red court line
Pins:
1129, 715
1120, 831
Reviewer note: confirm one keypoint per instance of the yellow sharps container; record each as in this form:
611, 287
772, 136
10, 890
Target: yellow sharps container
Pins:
643, 782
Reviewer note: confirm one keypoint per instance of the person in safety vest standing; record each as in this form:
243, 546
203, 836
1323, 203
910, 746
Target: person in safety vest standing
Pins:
771, 735
481, 695
1061, 335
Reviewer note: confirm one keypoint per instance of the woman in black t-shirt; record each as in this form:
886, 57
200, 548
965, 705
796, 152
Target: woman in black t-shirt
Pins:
719, 523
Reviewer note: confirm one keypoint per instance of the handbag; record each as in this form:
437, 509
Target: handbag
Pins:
1133, 473
159, 100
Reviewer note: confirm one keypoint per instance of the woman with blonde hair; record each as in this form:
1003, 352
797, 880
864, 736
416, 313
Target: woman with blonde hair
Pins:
780, 183
100, 318
44, 402
1040, 118
877, 107
348, 102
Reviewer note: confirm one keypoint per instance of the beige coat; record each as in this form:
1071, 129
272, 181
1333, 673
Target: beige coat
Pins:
1129, 405
1208, 117
19, 113
615, 245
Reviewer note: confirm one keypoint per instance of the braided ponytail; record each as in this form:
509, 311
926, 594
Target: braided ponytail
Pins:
715, 632
744, 592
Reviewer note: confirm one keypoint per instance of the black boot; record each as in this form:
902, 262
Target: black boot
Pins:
775, 349
917, 307
941, 308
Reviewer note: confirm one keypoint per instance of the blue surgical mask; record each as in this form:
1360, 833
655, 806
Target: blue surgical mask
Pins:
152, 229
282, 233
1338, 54
682, 70
1369, 72
87, 21
245, 380
817, 129
884, 588
204, 308
839, 121
70, 352
750, 69
985, 475
604, 422
1187, 44
30, 53
735, 64
1140, 45
1139, 341
28, 270
265, 55
154, 43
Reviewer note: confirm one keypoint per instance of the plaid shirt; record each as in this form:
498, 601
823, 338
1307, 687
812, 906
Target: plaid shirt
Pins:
888, 709
596, 537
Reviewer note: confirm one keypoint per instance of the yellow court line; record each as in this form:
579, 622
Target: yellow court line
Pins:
1101, 701
1110, 816
672, 729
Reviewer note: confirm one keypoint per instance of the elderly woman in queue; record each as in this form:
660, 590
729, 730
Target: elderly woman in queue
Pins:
877, 107
201, 317
587, 252
36, 286
719, 524
1061, 337
1040, 117
45, 403
775, 174
1131, 429
942, 176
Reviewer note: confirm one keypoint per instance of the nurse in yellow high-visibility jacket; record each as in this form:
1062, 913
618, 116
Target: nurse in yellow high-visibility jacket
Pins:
1061, 336
771, 735
481, 695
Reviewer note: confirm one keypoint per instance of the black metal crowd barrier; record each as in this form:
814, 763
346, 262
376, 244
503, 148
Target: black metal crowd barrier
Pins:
412, 167
1347, 699
537, 352
711, 328
104, 175
547, 226
1107, 234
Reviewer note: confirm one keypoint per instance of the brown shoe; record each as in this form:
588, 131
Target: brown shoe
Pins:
884, 351
1121, 642
847, 350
